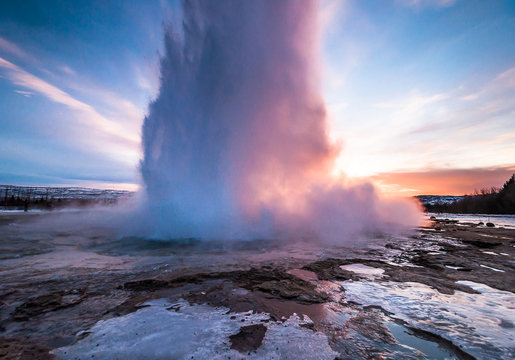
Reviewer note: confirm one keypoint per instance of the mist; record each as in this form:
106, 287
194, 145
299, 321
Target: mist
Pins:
236, 144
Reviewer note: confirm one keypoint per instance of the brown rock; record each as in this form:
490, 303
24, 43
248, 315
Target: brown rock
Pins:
249, 338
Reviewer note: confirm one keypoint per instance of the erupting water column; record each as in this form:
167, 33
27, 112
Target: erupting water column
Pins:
235, 144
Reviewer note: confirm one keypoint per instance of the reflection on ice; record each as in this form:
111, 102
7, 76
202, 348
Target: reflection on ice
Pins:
471, 321
427, 349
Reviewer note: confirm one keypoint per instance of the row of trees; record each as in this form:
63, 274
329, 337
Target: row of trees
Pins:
493, 201
25, 198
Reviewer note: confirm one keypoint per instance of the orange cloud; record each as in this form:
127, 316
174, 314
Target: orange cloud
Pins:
443, 181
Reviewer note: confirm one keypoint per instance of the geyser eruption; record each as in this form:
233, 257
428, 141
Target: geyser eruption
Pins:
236, 143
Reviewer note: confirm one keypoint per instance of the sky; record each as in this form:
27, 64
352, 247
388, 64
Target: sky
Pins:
421, 93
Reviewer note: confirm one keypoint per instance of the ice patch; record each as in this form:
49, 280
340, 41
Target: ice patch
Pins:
486, 235
364, 270
165, 330
470, 321
453, 267
491, 268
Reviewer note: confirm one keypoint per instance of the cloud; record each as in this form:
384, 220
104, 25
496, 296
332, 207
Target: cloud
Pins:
67, 70
24, 93
414, 102
11, 48
444, 181
20, 77
423, 4
505, 80
112, 105
464, 127
491, 103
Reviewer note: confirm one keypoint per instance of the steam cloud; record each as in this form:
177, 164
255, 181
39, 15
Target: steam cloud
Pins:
236, 143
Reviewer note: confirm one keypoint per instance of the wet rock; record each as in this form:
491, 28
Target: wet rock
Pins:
275, 282
437, 280
148, 285
489, 224
425, 261
236, 299
132, 304
23, 349
483, 244
370, 325
507, 324
145, 285
249, 338
309, 326
287, 289
278, 283
46, 303
329, 269
303, 274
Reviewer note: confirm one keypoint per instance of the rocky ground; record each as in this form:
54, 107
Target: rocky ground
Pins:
53, 311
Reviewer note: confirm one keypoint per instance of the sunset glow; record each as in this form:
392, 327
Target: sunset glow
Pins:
419, 94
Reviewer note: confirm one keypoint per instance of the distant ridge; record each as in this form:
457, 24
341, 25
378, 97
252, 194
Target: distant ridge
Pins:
492, 201
438, 199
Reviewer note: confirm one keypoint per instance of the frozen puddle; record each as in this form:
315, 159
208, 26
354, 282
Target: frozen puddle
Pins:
163, 330
480, 324
364, 270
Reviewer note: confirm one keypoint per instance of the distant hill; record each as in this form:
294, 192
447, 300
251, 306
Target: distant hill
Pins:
41, 197
493, 201
432, 200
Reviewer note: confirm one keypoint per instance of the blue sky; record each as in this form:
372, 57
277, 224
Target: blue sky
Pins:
411, 86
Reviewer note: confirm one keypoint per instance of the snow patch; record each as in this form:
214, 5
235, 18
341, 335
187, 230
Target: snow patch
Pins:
165, 330
364, 270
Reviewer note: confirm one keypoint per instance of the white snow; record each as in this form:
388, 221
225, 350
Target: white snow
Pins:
363, 270
194, 332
